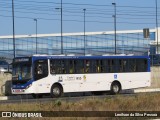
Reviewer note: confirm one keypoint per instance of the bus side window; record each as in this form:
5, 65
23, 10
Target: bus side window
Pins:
124, 64
61, 66
58, 69
71, 66
110, 65
98, 64
87, 66
103, 65
52, 66
141, 65
145, 65
41, 69
132, 65
94, 66
79, 65
120, 65
114, 66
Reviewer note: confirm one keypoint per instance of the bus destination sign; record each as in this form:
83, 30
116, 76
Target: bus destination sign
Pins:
21, 60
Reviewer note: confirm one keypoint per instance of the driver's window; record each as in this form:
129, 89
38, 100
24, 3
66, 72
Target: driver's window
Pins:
26, 72
41, 69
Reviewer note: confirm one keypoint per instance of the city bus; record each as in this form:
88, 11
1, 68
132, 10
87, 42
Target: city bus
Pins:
55, 75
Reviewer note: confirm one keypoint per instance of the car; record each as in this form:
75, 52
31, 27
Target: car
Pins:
4, 66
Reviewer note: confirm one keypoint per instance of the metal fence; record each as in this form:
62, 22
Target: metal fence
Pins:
96, 44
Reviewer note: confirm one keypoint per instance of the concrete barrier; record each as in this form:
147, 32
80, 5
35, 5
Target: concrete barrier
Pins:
5, 84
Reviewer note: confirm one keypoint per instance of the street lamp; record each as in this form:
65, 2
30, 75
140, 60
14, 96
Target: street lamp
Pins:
14, 52
36, 34
114, 4
157, 24
61, 28
84, 31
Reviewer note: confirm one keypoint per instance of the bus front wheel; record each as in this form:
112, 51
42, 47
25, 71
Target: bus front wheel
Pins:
115, 88
56, 91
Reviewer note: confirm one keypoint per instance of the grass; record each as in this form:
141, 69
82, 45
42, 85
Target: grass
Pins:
140, 102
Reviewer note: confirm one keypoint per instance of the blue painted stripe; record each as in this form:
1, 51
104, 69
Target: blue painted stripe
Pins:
88, 57
22, 86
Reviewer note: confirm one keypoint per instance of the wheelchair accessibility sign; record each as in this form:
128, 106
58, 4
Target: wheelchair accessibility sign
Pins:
115, 76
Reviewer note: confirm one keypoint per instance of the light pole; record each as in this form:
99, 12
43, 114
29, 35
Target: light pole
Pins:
115, 35
61, 28
157, 24
36, 34
84, 31
14, 52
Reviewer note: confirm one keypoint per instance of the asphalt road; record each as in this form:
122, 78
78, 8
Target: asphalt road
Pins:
65, 98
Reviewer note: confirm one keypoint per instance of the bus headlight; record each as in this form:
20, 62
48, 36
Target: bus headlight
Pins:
28, 86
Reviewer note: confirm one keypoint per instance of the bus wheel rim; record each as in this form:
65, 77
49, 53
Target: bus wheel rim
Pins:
115, 88
56, 91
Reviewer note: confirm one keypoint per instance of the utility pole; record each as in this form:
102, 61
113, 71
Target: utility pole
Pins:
157, 24
14, 51
61, 31
61, 27
36, 34
84, 31
115, 34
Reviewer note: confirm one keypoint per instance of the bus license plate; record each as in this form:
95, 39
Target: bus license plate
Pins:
18, 91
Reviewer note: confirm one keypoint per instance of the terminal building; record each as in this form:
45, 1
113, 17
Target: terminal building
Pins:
95, 43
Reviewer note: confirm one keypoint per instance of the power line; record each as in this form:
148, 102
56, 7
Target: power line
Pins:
109, 13
74, 15
69, 20
72, 12
18, 1
36, 7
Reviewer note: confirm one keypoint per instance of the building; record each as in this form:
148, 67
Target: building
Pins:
96, 43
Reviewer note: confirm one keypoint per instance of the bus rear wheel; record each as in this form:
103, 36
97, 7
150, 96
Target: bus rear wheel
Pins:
115, 88
56, 91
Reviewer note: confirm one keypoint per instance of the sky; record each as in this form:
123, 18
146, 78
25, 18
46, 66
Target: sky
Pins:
130, 15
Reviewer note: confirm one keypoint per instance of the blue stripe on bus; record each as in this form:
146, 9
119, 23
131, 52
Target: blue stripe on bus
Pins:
87, 57
23, 86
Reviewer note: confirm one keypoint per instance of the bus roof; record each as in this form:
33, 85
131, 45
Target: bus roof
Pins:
86, 57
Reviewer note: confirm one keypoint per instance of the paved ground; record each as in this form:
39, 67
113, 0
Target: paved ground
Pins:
17, 97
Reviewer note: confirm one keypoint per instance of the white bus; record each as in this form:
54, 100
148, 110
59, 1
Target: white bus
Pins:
55, 75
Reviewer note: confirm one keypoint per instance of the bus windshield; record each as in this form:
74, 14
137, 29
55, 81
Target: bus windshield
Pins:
22, 71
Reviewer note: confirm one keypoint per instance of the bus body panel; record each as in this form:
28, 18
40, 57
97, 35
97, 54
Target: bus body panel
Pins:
88, 81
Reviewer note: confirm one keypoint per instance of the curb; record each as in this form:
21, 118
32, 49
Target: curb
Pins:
18, 97
141, 90
147, 90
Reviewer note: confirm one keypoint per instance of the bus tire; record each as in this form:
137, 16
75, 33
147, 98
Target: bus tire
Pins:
115, 88
56, 91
